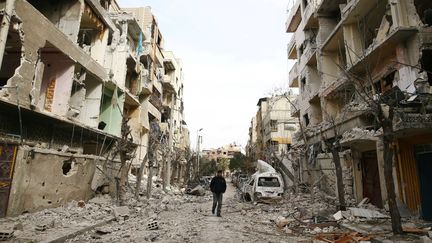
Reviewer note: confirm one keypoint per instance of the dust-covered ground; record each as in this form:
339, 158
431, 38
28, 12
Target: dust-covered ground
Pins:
192, 221
173, 216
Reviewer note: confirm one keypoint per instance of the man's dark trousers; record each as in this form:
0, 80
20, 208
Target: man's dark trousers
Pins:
217, 201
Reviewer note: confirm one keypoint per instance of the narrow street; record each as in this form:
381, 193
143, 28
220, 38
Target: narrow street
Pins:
193, 221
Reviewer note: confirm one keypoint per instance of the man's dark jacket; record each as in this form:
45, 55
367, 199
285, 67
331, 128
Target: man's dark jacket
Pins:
218, 184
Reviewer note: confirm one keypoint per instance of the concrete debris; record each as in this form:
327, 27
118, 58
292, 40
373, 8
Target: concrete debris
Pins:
103, 230
153, 225
121, 212
425, 239
366, 213
359, 134
6, 234
282, 222
338, 215
364, 201
196, 191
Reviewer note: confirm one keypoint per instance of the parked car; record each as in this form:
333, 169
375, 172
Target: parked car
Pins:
262, 186
266, 183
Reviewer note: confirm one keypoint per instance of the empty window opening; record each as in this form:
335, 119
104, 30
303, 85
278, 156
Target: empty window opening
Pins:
305, 4
91, 29
424, 11
274, 145
273, 125
12, 56
426, 63
306, 119
303, 83
105, 4
132, 82
371, 22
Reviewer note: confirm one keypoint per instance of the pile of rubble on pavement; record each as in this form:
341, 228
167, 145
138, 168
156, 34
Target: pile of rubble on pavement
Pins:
75, 218
315, 216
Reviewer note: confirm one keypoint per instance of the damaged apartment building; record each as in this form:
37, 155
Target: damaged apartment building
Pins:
271, 129
71, 72
346, 50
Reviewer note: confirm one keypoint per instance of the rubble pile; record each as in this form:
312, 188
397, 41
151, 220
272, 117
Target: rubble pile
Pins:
359, 133
56, 222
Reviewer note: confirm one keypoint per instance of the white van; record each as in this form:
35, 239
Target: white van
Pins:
263, 186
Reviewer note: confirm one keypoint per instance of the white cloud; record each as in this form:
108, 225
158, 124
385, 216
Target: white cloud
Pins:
234, 52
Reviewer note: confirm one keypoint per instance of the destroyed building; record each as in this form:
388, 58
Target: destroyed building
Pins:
70, 72
345, 50
272, 127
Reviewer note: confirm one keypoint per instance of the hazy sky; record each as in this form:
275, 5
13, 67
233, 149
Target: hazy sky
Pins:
233, 52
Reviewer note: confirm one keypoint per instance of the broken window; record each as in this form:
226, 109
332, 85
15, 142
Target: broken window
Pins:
424, 11
273, 125
306, 119
105, 4
132, 82
268, 182
12, 56
91, 29
305, 4
303, 83
373, 22
274, 145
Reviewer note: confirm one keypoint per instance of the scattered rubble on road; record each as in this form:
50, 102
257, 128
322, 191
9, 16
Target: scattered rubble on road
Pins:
304, 217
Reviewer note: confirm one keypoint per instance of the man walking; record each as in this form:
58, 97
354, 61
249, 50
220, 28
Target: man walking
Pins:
218, 187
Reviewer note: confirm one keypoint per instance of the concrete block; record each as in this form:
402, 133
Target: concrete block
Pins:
121, 212
153, 225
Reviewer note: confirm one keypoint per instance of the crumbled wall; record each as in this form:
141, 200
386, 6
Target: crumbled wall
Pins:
34, 37
42, 179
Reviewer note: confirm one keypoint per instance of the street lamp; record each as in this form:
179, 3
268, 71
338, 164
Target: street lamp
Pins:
199, 140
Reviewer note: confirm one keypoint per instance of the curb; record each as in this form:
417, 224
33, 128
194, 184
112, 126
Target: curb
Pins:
79, 232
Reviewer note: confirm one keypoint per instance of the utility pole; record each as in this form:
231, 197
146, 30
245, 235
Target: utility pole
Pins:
198, 151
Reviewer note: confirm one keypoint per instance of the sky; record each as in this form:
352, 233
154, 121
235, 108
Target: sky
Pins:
233, 53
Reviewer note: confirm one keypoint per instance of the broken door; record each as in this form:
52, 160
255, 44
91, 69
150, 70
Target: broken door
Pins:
424, 161
371, 179
7, 163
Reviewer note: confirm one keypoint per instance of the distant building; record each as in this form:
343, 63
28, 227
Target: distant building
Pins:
272, 128
226, 152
